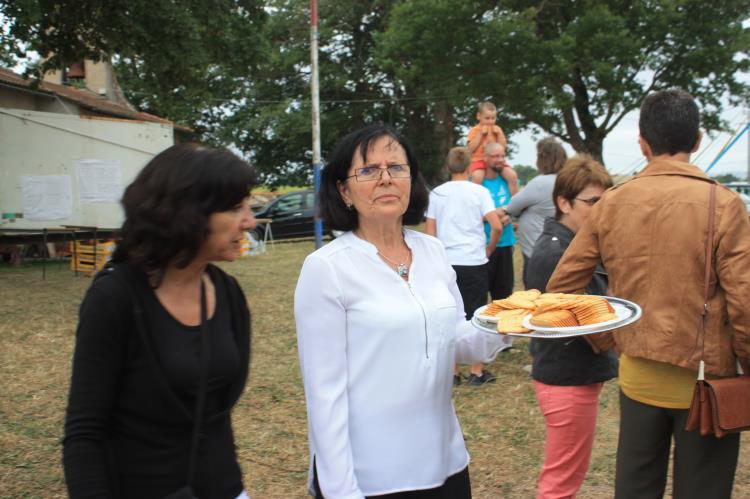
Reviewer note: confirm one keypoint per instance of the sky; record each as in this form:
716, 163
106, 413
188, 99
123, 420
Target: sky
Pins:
622, 155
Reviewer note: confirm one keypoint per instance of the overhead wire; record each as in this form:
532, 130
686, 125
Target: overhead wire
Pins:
729, 146
708, 146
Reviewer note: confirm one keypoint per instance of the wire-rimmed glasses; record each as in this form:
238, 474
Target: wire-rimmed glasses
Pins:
370, 173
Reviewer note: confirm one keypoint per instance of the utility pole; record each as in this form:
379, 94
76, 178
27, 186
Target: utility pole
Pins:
315, 118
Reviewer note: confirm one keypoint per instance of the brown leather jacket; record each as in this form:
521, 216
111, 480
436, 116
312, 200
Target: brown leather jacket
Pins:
650, 234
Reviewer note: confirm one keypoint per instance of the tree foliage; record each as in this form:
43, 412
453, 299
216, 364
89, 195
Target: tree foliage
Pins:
202, 58
574, 68
182, 60
355, 89
178, 37
238, 71
525, 173
275, 124
725, 178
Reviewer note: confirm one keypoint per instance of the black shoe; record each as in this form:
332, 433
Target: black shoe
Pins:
456, 379
486, 377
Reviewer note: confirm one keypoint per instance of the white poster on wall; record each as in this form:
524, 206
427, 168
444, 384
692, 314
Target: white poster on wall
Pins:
46, 197
99, 180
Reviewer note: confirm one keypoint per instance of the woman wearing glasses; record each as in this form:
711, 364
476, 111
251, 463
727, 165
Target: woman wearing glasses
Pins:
568, 375
380, 324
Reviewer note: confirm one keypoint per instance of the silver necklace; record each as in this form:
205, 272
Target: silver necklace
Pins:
401, 269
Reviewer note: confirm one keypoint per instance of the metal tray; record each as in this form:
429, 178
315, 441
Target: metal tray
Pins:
627, 313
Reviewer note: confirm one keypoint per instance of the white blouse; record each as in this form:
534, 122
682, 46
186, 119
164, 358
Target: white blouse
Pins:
377, 356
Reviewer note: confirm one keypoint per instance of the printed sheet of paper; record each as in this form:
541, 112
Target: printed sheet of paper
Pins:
99, 181
46, 197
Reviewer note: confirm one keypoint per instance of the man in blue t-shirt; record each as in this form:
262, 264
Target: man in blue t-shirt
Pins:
502, 182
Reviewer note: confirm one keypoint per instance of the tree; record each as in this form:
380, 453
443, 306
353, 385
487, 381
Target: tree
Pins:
240, 77
274, 125
237, 71
725, 178
443, 84
182, 60
354, 90
525, 173
574, 69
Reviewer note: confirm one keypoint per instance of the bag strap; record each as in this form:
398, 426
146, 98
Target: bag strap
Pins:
200, 399
707, 275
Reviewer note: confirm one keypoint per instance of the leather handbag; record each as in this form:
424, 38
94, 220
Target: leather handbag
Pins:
719, 406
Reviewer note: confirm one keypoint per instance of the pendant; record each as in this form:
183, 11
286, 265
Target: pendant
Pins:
402, 270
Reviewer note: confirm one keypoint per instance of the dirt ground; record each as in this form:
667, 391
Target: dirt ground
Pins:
503, 427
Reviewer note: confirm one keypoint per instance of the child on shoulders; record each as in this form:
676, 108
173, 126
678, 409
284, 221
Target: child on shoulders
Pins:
484, 132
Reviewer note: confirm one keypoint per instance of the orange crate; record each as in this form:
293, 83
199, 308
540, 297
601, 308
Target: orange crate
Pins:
90, 257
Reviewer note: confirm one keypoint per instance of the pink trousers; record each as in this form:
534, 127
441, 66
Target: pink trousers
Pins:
570, 419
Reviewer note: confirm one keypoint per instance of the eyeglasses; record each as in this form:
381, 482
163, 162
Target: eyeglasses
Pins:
368, 173
590, 201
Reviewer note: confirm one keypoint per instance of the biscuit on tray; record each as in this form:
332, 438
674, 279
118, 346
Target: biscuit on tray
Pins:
555, 318
510, 321
593, 310
551, 310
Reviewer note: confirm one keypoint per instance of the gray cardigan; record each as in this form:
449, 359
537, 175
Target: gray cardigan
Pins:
532, 205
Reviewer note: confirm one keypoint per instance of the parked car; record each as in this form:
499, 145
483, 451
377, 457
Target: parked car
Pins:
746, 199
739, 186
743, 189
291, 215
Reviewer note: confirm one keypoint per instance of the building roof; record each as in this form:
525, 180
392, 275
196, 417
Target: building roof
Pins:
86, 99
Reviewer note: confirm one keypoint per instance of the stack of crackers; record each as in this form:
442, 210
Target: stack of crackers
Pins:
548, 310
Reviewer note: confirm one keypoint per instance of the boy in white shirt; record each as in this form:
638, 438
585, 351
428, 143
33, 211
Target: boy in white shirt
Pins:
455, 215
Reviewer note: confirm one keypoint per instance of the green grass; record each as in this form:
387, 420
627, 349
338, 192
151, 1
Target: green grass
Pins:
502, 424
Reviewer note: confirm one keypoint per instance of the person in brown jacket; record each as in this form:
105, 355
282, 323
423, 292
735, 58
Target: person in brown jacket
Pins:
650, 234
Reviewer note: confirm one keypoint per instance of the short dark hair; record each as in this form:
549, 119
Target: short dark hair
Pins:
167, 206
669, 122
333, 211
579, 172
458, 160
550, 155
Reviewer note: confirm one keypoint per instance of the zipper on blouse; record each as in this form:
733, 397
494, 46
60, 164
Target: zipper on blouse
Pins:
424, 319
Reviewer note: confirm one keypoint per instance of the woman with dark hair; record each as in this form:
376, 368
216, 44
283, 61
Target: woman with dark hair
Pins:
568, 375
163, 340
380, 323
534, 203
